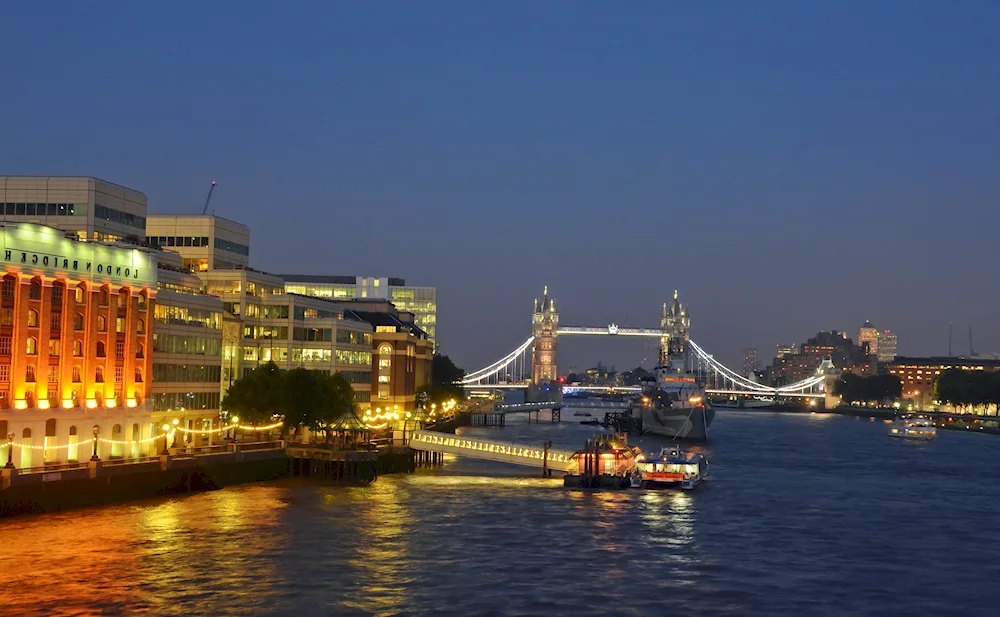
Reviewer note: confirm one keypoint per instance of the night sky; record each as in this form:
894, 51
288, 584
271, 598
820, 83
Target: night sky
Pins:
789, 166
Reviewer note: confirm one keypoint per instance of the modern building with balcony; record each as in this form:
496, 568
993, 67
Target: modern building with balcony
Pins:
264, 323
421, 301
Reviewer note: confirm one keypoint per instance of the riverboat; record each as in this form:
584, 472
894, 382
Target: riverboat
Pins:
671, 468
917, 427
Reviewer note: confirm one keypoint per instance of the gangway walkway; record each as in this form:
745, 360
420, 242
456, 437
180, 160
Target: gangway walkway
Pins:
487, 449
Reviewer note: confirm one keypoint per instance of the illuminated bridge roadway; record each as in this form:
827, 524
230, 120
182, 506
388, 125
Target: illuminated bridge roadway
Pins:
487, 449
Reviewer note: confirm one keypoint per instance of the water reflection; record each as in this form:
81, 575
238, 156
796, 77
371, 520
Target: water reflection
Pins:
382, 556
768, 535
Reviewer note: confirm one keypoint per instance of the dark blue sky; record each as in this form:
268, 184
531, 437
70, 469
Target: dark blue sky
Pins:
789, 166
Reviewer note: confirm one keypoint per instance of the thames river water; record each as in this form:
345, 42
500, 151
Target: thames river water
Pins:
805, 515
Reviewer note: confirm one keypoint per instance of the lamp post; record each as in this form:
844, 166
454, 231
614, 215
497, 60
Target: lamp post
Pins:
236, 422
166, 435
97, 430
10, 451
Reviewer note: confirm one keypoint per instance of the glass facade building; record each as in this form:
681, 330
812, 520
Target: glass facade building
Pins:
421, 301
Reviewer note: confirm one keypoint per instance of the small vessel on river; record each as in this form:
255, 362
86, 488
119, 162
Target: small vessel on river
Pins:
672, 467
913, 427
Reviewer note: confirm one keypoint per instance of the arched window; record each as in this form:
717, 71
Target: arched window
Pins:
32, 346
50, 427
142, 301
99, 374
36, 289
385, 356
81, 294
26, 433
76, 374
78, 322
72, 430
32, 318
102, 323
140, 350
138, 375
29, 373
123, 298
100, 349
141, 326
77, 349
116, 437
104, 296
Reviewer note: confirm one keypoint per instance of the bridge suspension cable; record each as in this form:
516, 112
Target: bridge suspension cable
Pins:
753, 387
512, 365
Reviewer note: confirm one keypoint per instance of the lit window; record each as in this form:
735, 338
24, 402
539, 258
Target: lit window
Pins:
53, 347
76, 374
99, 374
102, 323
80, 294
77, 349
120, 325
31, 346
383, 379
32, 318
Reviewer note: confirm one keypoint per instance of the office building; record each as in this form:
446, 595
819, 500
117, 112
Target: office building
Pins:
886, 346
918, 374
868, 335
402, 354
204, 242
262, 323
785, 350
750, 362
421, 301
90, 208
187, 350
75, 341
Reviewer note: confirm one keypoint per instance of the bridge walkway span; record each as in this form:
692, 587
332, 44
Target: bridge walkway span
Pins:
491, 450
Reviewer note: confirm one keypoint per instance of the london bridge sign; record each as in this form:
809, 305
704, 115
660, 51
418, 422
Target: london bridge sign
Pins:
36, 249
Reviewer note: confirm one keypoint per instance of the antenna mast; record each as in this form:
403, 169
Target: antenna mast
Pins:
209, 198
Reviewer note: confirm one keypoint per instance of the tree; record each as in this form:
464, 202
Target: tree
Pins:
304, 398
444, 380
877, 389
258, 396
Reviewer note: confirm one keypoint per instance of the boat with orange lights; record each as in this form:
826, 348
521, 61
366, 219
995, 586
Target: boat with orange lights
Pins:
671, 468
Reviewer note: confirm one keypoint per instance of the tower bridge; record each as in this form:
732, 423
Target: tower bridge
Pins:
533, 362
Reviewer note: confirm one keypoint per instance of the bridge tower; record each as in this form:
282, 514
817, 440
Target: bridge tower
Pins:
544, 323
676, 326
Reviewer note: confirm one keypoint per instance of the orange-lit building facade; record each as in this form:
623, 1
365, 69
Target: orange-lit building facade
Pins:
76, 333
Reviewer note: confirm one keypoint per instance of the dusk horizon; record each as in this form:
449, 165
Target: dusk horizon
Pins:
788, 171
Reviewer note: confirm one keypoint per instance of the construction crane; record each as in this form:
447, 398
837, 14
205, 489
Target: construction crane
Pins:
208, 199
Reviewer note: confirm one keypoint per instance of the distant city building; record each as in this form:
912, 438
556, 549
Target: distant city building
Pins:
834, 345
204, 243
421, 301
90, 208
750, 361
918, 374
868, 335
786, 350
886, 351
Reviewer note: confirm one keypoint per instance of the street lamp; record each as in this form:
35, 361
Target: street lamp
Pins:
166, 434
236, 422
97, 430
10, 451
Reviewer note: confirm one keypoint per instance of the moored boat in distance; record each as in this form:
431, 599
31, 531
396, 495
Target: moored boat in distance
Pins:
671, 468
913, 427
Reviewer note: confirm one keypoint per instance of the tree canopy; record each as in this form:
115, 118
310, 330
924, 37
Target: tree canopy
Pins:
967, 388
314, 399
877, 389
257, 396
444, 375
